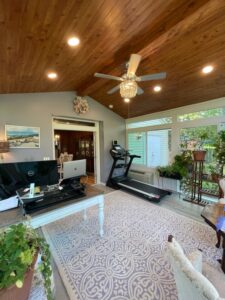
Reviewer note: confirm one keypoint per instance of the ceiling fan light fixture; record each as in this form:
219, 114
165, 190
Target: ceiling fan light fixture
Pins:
128, 89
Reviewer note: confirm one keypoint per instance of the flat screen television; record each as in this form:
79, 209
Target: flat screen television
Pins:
14, 176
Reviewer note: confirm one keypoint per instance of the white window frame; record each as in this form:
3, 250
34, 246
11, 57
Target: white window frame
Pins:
176, 125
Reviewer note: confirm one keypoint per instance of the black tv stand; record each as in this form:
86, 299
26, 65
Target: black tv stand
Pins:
49, 198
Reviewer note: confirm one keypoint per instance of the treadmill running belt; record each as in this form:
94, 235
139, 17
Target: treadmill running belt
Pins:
143, 188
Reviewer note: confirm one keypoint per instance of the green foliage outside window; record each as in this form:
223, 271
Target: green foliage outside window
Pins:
219, 153
137, 145
214, 112
195, 133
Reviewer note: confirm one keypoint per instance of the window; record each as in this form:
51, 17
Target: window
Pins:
137, 146
153, 142
214, 112
149, 123
153, 147
158, 145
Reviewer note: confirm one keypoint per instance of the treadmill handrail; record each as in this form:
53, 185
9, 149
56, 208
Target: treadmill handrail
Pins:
135, 156
129, 164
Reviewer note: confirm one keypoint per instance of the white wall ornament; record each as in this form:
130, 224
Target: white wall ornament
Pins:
81, 105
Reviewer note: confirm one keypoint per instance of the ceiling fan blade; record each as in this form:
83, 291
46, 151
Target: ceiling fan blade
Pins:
152, 76
105, 76
113, 90
133, 64
140, 91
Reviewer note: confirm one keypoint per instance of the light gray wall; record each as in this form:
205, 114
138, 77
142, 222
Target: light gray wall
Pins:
37, 109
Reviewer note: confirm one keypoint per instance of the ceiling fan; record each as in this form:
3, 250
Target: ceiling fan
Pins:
128, 86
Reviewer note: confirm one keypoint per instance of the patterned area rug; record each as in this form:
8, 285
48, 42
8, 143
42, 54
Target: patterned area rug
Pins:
37, 291
130, 261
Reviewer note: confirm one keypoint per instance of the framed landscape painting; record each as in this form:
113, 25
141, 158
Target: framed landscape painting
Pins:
22, 136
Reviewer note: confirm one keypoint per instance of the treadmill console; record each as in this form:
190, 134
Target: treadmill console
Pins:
118, 151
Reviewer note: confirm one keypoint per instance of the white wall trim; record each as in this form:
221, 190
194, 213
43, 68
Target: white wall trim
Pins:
74, 127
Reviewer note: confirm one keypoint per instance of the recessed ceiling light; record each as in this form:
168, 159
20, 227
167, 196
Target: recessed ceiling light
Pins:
207, 69
157, 88
52, 75
127, 100
110, 106
73, 41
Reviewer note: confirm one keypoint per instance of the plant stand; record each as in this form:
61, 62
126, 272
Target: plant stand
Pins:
196, 185
196, 181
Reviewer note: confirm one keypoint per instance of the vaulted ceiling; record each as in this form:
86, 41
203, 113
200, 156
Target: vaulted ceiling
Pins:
175, 36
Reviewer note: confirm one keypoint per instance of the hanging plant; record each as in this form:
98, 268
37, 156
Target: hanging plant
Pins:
80, 105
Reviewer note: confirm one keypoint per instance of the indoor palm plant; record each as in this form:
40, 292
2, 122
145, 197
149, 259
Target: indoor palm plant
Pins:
19, 248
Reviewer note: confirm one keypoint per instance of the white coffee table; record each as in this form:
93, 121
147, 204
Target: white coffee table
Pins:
58, 211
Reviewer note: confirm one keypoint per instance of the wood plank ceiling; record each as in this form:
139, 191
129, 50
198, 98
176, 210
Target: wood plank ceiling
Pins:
175, 36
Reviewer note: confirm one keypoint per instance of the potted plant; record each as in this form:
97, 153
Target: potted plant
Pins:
214, 172
19, 248
178, 169
199, 153
168, 172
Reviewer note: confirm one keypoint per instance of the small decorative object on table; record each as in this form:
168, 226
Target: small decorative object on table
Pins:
80, 105
19, 248
222, 186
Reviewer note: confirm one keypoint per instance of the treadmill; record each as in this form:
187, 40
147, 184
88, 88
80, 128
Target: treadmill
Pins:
122, 160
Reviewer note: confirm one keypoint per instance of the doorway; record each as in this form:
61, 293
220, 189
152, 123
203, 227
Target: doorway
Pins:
79, 144
158, 145
80, 139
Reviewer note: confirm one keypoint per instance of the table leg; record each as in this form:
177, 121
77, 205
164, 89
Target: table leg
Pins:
101, 217
218, 239
85, 215
223, 257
